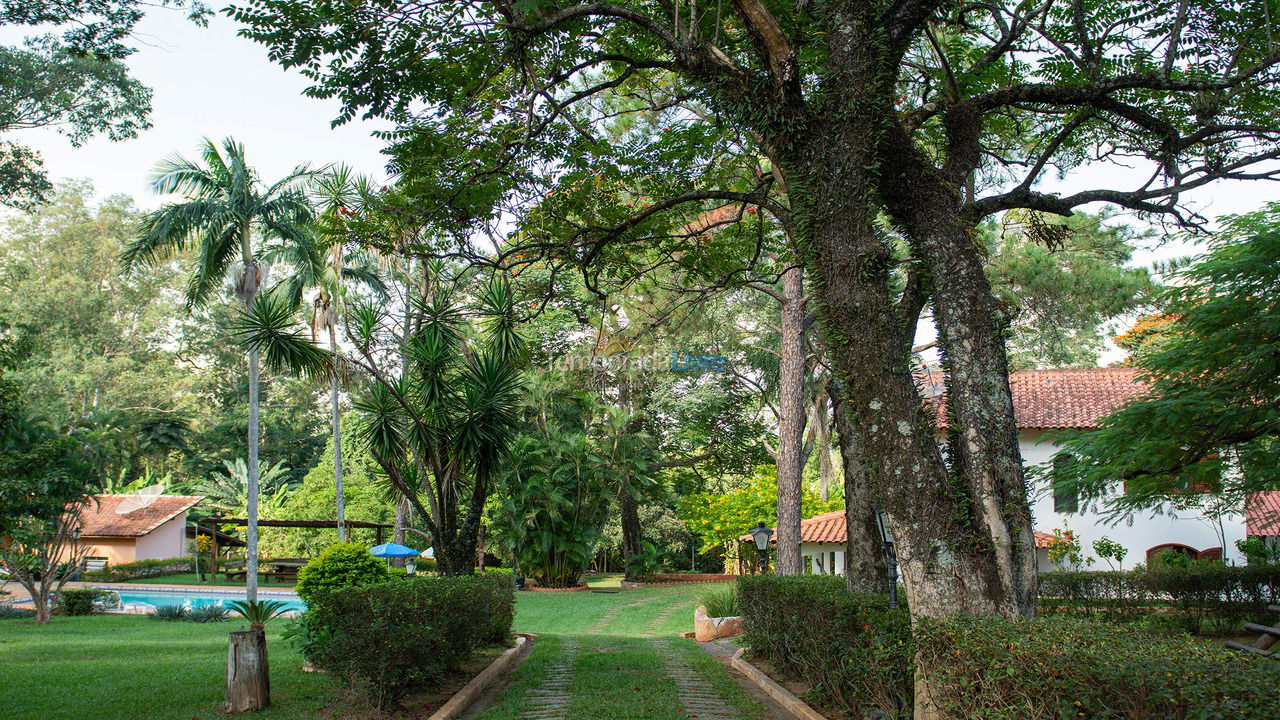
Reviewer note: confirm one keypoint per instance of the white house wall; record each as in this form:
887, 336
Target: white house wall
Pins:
1137, 534
167, 541
823, 558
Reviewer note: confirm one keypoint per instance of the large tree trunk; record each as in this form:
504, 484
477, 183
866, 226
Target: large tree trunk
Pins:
982, 435
336, 420
251, 511
791, 422
628, 505
950, 558
865, 564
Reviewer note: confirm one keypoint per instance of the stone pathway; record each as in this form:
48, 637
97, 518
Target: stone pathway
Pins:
550, 700
697, 698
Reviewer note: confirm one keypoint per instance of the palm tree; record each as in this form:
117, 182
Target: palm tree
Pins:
442, 433
325, 263
225, 207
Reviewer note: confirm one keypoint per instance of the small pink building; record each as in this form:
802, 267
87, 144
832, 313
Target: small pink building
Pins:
155, 532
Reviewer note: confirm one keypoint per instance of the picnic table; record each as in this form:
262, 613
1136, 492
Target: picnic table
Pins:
277, 570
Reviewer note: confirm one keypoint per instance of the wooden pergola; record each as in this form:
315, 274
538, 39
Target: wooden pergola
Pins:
214, 524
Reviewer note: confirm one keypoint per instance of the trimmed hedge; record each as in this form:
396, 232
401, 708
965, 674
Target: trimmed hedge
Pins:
391, 637
81, 601
342, 565
852, 651
141, 569
998, 669
859, 657
1203, 597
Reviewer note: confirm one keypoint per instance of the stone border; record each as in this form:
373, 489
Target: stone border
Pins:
145, 588
470, 692
795, 708
579, 588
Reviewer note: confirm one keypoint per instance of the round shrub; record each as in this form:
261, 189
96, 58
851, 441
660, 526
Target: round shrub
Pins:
80, 601
341, 566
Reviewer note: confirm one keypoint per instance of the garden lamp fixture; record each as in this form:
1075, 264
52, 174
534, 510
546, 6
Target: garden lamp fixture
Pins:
761, 535
890, 557
411, 566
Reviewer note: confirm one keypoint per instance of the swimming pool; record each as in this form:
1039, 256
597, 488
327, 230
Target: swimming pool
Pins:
131, 600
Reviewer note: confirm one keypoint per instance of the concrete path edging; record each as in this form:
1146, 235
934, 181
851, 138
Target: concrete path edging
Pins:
470, 692
787, 701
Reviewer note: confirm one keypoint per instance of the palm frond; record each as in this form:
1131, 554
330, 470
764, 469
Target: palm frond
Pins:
365, 319
383, 422
497, 303
268, 327
217, 254
176, 174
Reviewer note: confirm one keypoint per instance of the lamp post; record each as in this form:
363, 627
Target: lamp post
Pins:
411, 565
761, 534
75, 543
891, 558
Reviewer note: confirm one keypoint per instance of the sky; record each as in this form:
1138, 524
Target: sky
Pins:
209, 82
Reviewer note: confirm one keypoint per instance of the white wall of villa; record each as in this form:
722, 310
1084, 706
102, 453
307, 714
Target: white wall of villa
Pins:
1138, 533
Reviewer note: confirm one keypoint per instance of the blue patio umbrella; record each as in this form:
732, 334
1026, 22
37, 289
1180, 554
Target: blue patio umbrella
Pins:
392, 550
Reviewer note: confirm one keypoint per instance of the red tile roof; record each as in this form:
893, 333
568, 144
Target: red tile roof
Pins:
1262, 513
827, 527
100, 518
830, 528
1051, 399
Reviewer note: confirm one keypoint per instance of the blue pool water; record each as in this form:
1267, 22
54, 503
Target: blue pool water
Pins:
152, 600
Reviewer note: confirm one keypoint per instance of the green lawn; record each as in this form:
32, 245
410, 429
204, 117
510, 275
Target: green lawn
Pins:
134, 668
618, 669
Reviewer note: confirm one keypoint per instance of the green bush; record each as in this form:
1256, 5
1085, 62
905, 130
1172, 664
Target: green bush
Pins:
141, 569
208, 613
1203, 596
503, 604
78, 602
852, 651
168, 613
9, 612
305, 636
998, 669
397, 635
345, 565
721, 603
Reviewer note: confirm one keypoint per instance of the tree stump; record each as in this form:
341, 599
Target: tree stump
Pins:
248, 678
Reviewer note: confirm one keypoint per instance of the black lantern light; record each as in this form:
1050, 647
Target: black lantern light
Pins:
761, 535
411, 565
891, 557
